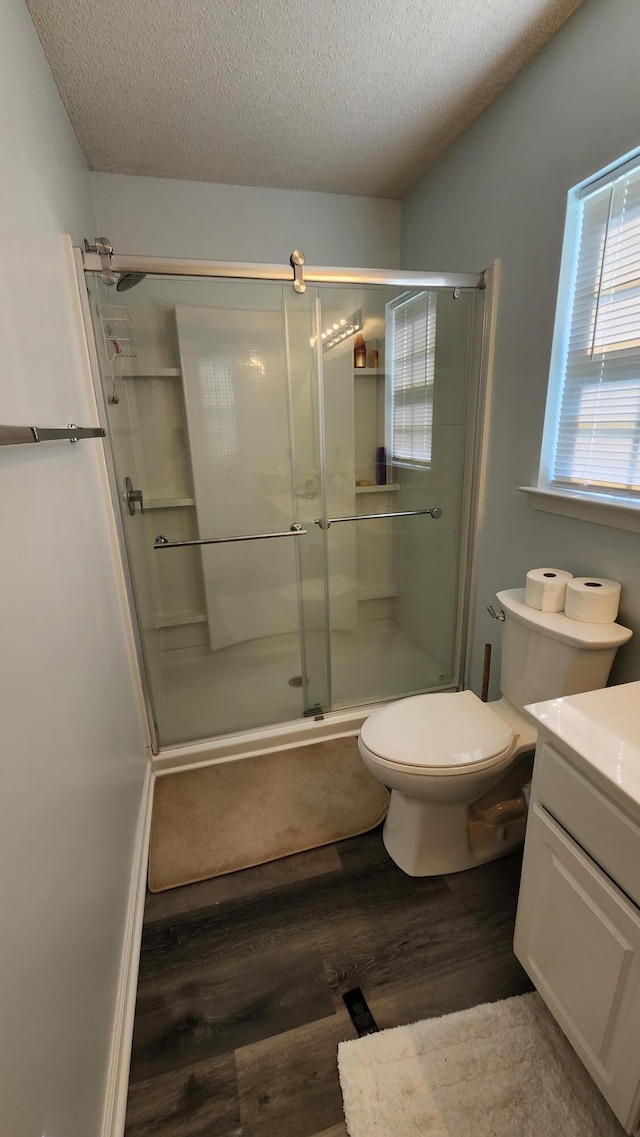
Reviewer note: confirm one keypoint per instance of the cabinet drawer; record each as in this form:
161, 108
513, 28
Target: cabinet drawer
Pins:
603, 830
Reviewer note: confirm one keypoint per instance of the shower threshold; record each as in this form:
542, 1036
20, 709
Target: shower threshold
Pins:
280, 736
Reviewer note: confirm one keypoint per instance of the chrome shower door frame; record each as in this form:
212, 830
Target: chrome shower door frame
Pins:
481, 283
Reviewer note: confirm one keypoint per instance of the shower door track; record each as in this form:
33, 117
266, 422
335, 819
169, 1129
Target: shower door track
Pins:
245, 270
237, 745
475, 457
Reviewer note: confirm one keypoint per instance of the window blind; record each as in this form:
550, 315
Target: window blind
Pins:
597, 444
413, 328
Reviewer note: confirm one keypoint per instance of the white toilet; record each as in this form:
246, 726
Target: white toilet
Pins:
440, 753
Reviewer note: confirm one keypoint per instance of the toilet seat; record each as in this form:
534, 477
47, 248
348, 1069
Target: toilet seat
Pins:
438, 735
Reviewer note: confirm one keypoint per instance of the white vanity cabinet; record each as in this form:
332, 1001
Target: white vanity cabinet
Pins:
578, 924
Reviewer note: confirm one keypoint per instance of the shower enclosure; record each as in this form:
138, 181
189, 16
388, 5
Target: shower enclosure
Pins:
295, 525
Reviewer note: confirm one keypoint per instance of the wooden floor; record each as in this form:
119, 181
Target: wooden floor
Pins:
239, 1009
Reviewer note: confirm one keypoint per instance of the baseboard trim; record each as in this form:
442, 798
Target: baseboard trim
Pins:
115, 1105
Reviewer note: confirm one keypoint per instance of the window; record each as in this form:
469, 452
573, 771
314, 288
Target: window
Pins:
592, 431
411, 333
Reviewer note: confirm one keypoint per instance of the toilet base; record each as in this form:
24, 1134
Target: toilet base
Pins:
427, 838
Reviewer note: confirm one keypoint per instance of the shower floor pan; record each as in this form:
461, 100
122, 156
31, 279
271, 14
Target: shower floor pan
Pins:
201, 695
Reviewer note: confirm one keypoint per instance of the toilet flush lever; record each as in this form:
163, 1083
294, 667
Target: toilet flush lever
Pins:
495, 615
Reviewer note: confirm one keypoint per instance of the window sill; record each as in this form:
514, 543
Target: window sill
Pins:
584, 507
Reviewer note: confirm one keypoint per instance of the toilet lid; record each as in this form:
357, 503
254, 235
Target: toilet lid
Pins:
454, 729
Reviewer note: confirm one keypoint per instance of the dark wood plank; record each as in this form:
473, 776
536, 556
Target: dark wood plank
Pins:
200, 1011
258, 923
396, 923
196, 1101
425, 996
501, 878
403, 928
364, 851
289, 1085
250, 882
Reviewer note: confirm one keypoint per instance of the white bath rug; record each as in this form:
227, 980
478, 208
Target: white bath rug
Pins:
499, 1070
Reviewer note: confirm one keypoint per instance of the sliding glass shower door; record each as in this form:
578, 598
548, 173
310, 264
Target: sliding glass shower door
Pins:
290, 471
211, 397
395, 470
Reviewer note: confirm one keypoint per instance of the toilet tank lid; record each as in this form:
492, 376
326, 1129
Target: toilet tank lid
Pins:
557, 626
451, 729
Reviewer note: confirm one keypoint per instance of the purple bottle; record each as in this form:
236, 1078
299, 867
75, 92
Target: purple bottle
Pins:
381, 466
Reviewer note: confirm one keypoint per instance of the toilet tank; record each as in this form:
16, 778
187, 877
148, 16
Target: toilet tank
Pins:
546, 655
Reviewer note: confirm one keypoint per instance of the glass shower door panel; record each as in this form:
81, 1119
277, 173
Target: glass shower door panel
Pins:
127, 408
198, 406
405, 452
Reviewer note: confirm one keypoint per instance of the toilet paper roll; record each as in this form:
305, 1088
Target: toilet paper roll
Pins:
546, 589
593, 599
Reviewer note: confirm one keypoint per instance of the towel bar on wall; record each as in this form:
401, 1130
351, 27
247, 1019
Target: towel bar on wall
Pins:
19, 435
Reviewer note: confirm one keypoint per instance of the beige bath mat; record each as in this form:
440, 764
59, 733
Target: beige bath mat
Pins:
233, 815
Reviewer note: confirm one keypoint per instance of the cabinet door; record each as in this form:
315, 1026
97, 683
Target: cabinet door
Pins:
578, 937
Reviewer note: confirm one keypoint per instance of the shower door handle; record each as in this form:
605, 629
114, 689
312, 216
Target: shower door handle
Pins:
162, 542
324, 523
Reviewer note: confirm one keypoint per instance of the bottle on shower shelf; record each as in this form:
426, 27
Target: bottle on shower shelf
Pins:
359, 352
381, 466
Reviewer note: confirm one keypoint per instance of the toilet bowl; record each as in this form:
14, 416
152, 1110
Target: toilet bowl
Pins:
440, 753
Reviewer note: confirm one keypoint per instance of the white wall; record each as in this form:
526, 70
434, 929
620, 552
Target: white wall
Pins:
163, 217
500, 192
72, 744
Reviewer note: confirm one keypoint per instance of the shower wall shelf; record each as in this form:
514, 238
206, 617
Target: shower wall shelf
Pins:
19, 435
147, 373
391, 487
383, 592
170, 503
178, 619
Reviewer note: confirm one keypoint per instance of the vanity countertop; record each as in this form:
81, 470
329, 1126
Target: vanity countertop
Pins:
600, 731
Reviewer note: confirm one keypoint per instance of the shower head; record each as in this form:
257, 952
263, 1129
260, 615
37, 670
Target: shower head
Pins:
129, 280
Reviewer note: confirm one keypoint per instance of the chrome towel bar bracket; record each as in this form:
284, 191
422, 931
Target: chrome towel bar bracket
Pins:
325, 522
162, 542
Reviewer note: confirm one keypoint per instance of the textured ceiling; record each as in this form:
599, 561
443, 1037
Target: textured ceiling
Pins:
353, 97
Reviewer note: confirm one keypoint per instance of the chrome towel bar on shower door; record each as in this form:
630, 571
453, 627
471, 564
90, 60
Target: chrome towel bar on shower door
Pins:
164, 543
325, 522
